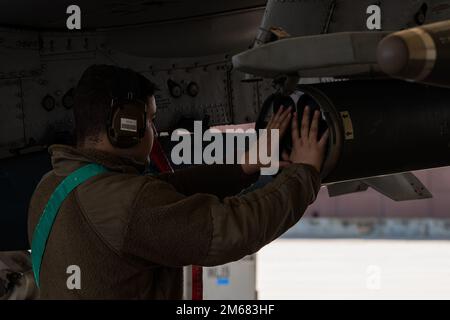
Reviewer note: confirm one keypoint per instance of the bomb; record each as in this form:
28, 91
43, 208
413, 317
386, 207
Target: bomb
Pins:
378, 127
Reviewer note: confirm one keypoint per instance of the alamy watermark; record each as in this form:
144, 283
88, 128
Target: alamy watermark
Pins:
373, 21
233, 146
74, 279
73, 22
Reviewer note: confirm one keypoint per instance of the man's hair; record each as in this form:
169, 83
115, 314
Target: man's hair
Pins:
98, 85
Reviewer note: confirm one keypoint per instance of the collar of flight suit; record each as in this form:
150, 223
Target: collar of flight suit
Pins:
66, 159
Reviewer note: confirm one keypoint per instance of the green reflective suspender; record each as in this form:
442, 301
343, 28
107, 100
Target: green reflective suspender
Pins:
44, 226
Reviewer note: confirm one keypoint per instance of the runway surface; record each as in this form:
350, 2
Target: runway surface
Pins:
354, 269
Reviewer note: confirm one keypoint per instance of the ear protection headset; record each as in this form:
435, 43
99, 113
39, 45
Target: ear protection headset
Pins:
127, 119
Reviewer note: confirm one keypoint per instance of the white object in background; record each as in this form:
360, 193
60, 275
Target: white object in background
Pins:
232, 281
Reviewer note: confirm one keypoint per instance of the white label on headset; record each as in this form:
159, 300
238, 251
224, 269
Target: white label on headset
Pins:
128, 125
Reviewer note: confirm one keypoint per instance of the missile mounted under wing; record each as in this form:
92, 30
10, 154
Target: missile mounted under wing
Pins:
333, 38
420, 54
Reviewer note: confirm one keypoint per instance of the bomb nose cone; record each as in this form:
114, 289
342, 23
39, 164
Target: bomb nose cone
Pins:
393, 55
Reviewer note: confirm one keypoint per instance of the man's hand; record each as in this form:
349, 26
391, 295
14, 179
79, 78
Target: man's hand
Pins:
306, 148
279, 121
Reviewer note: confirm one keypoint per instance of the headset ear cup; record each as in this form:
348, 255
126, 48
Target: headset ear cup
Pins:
128, 124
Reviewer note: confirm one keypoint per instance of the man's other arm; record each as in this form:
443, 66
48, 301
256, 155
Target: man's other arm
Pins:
219, 180
204, 230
